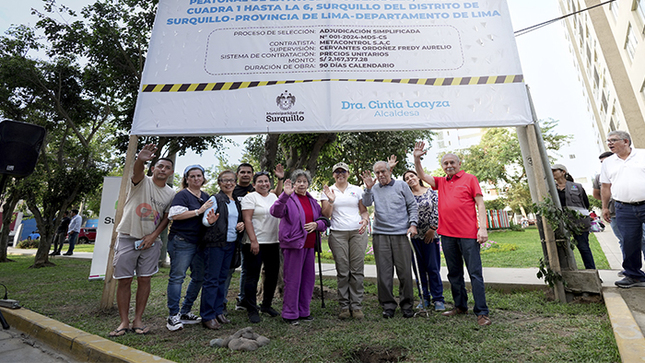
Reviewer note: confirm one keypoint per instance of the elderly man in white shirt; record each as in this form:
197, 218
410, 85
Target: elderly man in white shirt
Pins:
623, 179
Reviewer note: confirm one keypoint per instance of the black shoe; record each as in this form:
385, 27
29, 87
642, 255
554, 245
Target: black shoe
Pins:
408, 313
222, 319
291, 321
628, 282
67, 253
388, 313
306, 318
269, 310
254, 317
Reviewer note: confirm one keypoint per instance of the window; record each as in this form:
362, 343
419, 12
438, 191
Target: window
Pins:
631, 42
613, 6
596, 78
603, 102
640, 10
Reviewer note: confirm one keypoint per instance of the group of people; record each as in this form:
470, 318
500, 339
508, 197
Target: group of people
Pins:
621, 188
69, 228
250, 224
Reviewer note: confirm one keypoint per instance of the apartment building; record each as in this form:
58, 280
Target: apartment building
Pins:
608, 47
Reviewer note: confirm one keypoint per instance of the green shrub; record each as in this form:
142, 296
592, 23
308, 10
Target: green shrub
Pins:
28, 243
504, 247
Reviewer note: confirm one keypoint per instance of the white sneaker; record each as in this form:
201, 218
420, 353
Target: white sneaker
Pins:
190, 318
174, 323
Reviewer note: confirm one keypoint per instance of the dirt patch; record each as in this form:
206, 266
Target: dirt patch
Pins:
330, 294
377, 355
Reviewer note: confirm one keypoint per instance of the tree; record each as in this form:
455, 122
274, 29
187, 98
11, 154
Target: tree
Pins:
319, 152
113, 36
497, 159
8, 203
57, 95
84, 94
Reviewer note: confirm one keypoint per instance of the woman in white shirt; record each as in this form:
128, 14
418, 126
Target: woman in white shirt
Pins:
349, 219
262, 248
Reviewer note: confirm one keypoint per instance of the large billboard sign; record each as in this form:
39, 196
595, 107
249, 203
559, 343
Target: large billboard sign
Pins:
256, 66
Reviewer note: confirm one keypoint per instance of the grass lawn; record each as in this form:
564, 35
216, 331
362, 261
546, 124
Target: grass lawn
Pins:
516, 249
526, 326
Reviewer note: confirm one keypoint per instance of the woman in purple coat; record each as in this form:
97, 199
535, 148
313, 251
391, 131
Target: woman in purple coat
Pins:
299, 213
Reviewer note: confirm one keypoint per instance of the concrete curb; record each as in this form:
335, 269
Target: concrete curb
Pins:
74, 342
629, 338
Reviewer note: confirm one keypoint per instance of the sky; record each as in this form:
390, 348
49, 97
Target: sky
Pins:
546, 62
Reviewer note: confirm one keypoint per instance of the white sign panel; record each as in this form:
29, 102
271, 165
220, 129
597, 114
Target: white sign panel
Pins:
253, 66
109, 196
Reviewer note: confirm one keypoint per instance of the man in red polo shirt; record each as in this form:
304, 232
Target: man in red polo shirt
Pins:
459, 194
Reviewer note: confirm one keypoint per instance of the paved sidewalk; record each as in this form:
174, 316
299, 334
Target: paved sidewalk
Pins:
16, 346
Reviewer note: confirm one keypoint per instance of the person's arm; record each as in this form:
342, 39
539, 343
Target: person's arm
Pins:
327, 199
391, 161
149, 239
418, 153
482, 233
365, 217
279, 207
207, 218
368, 197
596, 194
247, 215
605, 193
412, 209
146, 154
279, 173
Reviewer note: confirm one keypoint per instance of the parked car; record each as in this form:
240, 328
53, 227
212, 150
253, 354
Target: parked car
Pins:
87, 235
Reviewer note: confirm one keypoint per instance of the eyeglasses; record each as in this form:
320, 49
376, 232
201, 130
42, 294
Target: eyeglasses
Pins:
230, 181
259, 173
611, 141
340, 171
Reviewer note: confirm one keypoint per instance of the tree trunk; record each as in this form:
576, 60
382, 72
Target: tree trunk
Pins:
42, 254
271, 150
7, 214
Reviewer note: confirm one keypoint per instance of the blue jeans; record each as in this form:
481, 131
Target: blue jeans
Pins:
585, 250
183, 254
616, 230
630, 223
218, 262
429, 262
457, 251
72, 241
243, 273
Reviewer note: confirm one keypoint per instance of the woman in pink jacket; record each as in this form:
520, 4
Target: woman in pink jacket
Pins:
299, 215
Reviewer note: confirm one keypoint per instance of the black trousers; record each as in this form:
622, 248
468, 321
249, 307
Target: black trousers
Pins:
269, 255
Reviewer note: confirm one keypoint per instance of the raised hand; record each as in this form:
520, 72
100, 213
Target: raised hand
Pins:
391, 161
331, 196
279, 171
418, 149
212, 217
288, 187
367, 179
147, 153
